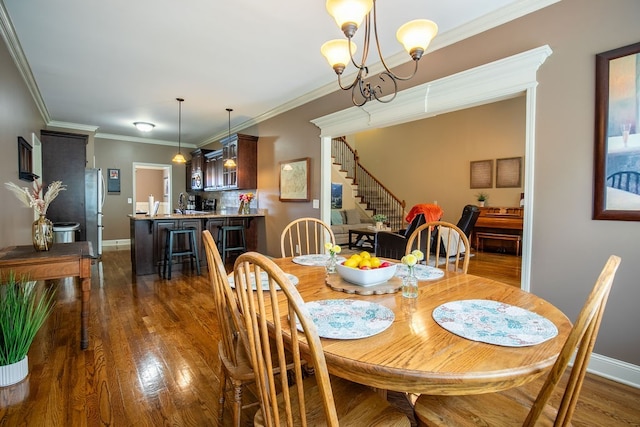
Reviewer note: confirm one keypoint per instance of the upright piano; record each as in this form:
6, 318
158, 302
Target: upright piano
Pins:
500, 221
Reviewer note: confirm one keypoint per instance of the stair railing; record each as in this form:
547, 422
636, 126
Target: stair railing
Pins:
370, 190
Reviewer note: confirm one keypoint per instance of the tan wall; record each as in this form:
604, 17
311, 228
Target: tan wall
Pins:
18, 117
569, 248
149, 182
428, 160
121, 155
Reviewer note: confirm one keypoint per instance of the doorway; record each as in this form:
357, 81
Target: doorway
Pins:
151, 181
468, 88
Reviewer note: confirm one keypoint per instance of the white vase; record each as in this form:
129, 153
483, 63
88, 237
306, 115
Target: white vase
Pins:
379, 225
14, 373
481, 203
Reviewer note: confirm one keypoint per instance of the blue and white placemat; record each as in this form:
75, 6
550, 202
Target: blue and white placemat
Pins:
265, 280
349, 318
316, 260
421, 271
494, 322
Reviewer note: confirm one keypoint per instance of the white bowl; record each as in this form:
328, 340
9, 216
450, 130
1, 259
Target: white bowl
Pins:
374, 276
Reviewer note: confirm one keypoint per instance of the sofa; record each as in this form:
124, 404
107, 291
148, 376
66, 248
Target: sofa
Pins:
343, 220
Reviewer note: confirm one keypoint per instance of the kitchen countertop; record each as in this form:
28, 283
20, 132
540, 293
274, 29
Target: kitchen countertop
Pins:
221, 213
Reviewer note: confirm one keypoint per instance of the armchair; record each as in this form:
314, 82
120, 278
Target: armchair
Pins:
392, 245
467, 221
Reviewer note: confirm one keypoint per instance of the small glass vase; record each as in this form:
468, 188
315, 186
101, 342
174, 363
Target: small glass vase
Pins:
42, 234
245, 208
410, 284
331, 264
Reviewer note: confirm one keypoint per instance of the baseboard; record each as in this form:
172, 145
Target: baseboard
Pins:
115, 244
615, 370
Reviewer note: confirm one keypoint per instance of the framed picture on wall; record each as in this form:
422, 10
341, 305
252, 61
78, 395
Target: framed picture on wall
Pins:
113, 181
294, 180
336, 195
509, 172
616, 187
481, 174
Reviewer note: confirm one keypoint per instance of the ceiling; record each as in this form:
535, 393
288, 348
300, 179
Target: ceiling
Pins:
102, 65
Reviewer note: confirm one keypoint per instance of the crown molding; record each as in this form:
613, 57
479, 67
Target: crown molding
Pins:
72, 126
490, 82
142, 140
16, 52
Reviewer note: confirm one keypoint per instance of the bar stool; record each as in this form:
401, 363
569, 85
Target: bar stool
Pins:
189, 249
231, 233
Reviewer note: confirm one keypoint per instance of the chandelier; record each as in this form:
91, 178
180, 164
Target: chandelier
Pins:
415, 36
179, 158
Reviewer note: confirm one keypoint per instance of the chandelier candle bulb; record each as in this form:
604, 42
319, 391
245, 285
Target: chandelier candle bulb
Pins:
337, 53
349, 14
416, 36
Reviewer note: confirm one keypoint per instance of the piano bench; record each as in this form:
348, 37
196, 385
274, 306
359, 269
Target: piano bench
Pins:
497, 236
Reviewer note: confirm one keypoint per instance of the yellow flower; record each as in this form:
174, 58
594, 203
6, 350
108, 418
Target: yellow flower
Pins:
332, 249
409, 260
418, 254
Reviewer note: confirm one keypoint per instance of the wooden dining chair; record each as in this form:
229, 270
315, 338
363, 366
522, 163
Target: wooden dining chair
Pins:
305, 236
301, 400
440, 240
517, 406
235, 366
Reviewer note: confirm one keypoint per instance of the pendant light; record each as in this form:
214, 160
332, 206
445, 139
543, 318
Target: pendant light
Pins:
229, 163
179, 158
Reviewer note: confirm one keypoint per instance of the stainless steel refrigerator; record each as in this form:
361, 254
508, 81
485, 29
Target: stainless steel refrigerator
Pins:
94, 201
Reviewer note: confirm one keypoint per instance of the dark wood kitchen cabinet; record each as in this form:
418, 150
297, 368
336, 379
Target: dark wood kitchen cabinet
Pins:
243, 150
187, 175
64, 158
197, 178
213, 165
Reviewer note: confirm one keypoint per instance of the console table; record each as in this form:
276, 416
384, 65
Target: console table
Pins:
62, 260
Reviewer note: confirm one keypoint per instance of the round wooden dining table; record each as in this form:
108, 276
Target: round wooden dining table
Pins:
417, 355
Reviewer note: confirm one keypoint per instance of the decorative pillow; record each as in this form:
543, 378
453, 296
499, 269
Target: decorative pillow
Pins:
353, 216
336, 217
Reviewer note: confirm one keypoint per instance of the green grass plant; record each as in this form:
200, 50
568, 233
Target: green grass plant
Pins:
23, 310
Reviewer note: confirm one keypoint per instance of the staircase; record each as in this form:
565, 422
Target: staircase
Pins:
367, 188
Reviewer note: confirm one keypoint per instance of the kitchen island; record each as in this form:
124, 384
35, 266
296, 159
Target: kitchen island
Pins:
148, 234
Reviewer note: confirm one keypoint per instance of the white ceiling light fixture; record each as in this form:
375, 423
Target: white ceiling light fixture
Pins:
144, 126
179, 158
415, 36
229, 163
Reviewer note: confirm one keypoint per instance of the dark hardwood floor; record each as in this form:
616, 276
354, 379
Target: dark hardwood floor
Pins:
152, 356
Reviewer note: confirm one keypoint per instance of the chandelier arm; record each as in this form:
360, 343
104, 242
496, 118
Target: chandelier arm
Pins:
386, 67
353, 95
365, 47
353, 83
378, 89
